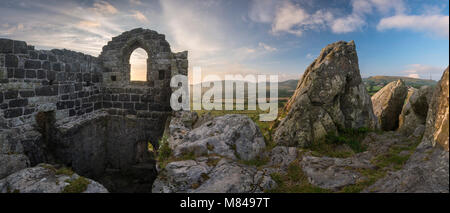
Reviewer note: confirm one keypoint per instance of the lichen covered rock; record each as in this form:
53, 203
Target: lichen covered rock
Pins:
415, 109
388, 104
217, 152
428, 168
438, 118
45, 178
329, 96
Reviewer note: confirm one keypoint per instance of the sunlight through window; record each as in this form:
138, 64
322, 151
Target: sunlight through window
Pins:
138, 62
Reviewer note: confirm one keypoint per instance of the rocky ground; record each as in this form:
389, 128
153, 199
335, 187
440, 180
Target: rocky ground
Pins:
331, 137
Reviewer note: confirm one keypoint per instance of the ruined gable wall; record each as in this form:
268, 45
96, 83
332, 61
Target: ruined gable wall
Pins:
33, 81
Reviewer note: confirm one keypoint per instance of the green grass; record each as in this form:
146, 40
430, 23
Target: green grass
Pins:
294, 181
64, 171
78, 185
258, 162
350, 137
391, 161
164, 151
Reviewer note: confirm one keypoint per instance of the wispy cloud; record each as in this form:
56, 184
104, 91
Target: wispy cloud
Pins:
430, 24
104, 7
139, 16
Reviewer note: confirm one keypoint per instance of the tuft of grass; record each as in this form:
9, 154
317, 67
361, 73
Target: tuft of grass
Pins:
164, 151
294, 181
258, 162
78, 185
64, 171
349, 137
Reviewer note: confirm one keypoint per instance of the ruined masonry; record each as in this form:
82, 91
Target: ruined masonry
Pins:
82, 111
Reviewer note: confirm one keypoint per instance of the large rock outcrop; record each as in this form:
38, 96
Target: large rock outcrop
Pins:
428, 168
329, 96
388, 104
437, 118
45, 178
210, 158
415, 109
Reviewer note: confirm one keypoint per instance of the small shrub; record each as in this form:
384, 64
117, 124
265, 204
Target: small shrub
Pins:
164, 151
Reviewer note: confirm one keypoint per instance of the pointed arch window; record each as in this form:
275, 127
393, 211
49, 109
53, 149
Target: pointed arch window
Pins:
138, 65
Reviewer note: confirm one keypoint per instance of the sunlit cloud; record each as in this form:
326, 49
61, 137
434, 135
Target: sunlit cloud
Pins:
423, 71
104, 7
139, 16
88, 24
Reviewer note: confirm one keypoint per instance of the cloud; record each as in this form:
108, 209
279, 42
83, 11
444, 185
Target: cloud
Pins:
348, 24
137, 2
88, 24
262, 10
310, 56
104, 7
293, 19
139, 16
434, 24
360, 9
7, 29
288, 17
267, 47
423, 71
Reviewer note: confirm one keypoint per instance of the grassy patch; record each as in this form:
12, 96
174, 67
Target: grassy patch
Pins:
294, 181
64, 171
164, 151
78, 185
258, 162
352, 138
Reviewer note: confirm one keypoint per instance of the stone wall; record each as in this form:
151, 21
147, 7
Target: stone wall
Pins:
72, 84
32, 81
61, 106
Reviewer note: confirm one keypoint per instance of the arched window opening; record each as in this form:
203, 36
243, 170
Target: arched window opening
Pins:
138, 65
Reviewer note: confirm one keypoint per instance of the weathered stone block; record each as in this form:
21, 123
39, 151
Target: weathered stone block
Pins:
43, 56
18, 103
27, 94
52, 58
30, 64
97, 105
11, 61
12, 113
135, 98
33, 54
128, 106
141, 106
117, 105
11, 94
46, 65
28, 111
6, 45
49, 90
41, 74
30, 73
124, 97
56, 67
107, 105
19, 73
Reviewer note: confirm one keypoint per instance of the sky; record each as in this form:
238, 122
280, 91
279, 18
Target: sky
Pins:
393, 37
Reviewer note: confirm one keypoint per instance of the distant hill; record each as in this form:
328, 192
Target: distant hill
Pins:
375, 83
414, 82
287, 88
